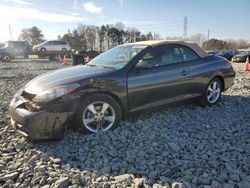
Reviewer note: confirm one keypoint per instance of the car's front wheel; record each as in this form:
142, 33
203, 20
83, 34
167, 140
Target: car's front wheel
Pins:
212, 93
6, 58
98, 112
43, 50
64, 50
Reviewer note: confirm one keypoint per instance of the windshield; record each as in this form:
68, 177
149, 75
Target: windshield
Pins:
44, 42
117, 57
8, 44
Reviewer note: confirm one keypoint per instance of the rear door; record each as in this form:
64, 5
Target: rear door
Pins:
168, 79
57, 46
50, 46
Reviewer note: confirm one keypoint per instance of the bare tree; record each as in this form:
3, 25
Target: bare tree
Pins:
242, 44
198, 38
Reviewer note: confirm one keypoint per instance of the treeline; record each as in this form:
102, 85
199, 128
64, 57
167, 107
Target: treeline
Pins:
215, 44
101, 38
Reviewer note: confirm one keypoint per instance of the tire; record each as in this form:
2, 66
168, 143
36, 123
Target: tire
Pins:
212, 93
64, 50
43, 50
6, 58
26, 56
91, 119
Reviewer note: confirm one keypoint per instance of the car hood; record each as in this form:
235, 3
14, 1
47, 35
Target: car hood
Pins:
38, 45
3, 49
64, 76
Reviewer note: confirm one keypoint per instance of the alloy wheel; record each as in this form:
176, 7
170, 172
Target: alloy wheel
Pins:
6, 58
213, 92
98, 116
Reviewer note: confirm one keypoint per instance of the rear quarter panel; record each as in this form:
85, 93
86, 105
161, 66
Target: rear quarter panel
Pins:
210, 67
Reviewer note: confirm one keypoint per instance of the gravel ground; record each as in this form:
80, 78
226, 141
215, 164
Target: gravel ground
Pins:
179, 145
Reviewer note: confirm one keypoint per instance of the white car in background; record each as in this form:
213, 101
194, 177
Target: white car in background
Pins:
52, 46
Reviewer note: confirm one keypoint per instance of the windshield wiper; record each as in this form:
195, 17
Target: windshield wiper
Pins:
91, 65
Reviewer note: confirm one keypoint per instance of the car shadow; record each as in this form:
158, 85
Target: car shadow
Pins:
191, 140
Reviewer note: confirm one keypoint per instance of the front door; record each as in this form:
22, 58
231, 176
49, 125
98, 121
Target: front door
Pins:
166, 80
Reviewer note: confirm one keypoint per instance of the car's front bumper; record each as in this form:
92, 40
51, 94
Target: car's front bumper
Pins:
238, 59
36, 125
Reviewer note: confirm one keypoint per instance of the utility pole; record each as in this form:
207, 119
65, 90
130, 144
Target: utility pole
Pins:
208, 35
10, 33
185, 27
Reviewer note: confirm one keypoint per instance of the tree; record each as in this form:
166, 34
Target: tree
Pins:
149, 36
198, 38
242, 44
90, 37
214, 44
32, 35
101, 33
1, 44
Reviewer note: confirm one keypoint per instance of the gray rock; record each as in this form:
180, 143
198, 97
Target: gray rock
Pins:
174, 147
76, 179
243, 184
124, 178
153, 174
235, 177
56, 160
43, 180
177, 185
46, 186
42, 170
202, 180
62, 183
105, 170
139, 181
216, 184
156, 185
11, 176
228, 185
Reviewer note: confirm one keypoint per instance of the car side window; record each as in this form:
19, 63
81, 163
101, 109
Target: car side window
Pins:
50, 43
56, 43
170, 55
188, 54
163, 55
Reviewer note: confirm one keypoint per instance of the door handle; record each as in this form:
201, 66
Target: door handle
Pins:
184, 73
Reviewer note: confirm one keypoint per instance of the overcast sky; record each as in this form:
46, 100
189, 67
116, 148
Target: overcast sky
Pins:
226, 19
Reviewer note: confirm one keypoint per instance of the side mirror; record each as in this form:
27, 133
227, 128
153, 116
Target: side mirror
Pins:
142, 64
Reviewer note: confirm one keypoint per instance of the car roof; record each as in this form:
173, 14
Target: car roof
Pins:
189, 44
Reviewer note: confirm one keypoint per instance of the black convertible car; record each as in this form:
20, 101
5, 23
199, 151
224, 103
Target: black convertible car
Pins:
127, 78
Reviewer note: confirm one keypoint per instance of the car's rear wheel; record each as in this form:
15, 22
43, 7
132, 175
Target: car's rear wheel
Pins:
212, 93
98, 112
6, 58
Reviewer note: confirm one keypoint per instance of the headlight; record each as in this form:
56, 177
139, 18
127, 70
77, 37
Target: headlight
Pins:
56, 92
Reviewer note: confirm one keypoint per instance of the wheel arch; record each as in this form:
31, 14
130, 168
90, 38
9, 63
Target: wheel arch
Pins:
114, 96
219, 77
41, 48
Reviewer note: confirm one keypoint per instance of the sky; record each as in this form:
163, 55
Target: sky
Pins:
225, 19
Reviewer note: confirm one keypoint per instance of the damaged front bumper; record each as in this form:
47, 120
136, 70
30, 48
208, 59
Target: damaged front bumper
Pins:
37, 125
